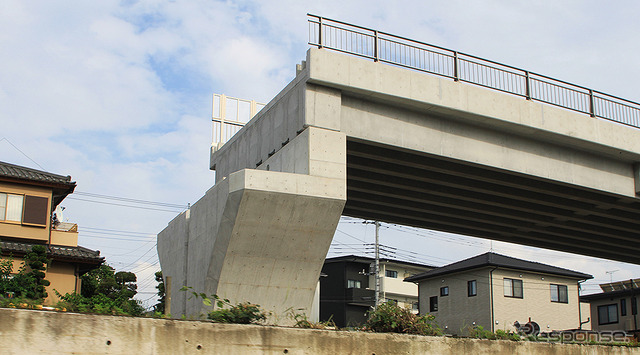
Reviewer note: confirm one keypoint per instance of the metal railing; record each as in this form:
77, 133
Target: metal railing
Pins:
387, 48
230, 114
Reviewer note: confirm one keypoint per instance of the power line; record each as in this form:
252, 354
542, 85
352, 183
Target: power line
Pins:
122, 205
117, 231
23, 153
126, 199
84, 235
130, 264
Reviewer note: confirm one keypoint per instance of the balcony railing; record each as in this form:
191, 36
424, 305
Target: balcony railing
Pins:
387, 48
360, 296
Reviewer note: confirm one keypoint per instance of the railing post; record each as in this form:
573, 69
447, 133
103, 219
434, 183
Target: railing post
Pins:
592, 106
376, 49
455, 66
319, 32
223, 115
527, 85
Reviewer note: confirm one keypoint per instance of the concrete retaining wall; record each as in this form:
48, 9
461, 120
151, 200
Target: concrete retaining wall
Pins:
31, 332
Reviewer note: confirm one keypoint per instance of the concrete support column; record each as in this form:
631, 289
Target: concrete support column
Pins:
261, 235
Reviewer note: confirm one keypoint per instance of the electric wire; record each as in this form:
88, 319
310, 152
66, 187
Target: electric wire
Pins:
121, 205
126, 199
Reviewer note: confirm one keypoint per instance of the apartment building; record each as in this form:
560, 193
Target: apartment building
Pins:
347, 287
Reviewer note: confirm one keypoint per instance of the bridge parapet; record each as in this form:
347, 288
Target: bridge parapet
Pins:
408, 53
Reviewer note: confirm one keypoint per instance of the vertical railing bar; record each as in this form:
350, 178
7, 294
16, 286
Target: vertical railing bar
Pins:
320, 32
376, 56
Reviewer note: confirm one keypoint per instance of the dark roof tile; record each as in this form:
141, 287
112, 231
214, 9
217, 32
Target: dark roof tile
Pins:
498, 260
75, 253
61, 185
365, 259
24, 173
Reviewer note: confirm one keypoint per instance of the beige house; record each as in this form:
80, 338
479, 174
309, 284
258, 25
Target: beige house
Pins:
495, 291
28, 198
616, 308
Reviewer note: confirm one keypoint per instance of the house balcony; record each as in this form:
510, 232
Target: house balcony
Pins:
65, 234
360, 296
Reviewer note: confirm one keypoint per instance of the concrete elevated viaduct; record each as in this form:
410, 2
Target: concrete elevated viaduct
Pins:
353, 137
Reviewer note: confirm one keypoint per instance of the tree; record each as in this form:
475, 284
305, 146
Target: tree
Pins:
99, 281
159, 307
106, 291
37, 261
126, 282
6, 266
30, 281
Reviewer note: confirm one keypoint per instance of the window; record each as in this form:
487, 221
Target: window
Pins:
391, 300
414, 306
30, 210
623, 307
433, 304
513, 288
444, 291
354, 284
11, 207
608, 314
3, 206
391, 273
472, 288
634, 306
35, 210
559, 293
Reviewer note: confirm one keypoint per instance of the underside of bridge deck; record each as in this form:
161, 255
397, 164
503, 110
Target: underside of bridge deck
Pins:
406, 187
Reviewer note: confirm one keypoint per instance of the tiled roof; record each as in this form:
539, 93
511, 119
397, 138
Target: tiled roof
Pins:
24, 173
497, 260
79, 253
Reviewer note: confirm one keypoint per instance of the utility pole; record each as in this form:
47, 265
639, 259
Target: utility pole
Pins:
377, 271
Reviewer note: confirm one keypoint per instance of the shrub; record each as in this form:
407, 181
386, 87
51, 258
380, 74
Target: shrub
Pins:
507, 335
105, 291
390, 318
301, 321
479, 332
242, 313
100, 304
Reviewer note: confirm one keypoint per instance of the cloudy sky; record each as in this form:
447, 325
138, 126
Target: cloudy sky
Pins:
117, 94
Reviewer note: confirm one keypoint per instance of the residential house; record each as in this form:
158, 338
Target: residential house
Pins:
616, 307
347, 288
495, 291
28, 198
